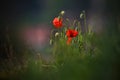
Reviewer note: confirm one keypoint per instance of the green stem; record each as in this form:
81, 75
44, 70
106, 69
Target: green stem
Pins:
85, 24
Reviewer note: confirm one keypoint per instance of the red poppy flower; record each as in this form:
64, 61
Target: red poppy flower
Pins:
70, 34
57, 22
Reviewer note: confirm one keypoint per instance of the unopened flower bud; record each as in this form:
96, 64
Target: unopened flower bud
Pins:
81, 15
62, 12
51, 41
76, 28
56, 34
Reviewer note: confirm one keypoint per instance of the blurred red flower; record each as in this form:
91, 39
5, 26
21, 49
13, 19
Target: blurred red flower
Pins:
70, 34
57, 22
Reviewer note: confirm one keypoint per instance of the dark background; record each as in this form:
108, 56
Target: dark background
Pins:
14, 13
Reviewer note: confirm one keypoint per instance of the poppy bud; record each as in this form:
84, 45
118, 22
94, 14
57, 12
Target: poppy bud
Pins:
81, 15
62, 13
56, 34
51, 41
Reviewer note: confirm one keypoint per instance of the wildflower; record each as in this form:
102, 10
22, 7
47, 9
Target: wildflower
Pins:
70, 34
57, 22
